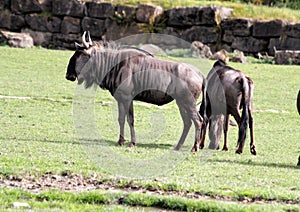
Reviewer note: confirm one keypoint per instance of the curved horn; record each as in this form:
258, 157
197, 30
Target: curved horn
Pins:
85, 44
90, 40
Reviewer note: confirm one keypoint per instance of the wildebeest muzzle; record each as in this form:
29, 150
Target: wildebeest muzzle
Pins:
71, 77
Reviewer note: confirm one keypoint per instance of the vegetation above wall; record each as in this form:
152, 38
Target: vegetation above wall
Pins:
241, 10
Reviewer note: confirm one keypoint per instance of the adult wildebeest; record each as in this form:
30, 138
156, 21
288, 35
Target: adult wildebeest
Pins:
131, 74
228, 91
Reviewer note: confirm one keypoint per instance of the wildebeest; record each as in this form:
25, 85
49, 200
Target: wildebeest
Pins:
131, 74
228, 92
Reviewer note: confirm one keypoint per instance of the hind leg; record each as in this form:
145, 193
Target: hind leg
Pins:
237, 118
186, 127
130, 121
251, 124
197, 120
226, 124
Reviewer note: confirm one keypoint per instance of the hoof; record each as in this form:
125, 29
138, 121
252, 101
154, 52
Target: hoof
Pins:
121, 142
178, 147
225, 148
194, 150
238, 152
252, 150
131, 145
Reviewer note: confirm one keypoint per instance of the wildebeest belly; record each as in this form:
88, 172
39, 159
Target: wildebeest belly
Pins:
154, 97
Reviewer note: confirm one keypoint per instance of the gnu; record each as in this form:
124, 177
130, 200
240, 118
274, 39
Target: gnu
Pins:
228, 92
132, 74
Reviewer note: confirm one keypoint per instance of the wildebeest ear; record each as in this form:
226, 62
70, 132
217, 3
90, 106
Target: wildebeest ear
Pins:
88, 52
79, 46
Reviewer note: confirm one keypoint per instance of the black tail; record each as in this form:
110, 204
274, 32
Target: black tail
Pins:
243, 125
203, 107
298, 102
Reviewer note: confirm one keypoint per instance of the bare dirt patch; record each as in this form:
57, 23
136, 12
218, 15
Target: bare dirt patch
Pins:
68, 181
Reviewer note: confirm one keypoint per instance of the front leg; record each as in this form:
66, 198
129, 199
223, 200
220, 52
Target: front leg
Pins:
121, 119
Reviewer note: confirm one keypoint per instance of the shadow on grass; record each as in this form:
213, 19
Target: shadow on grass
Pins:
108, 143
251, 163
100, 142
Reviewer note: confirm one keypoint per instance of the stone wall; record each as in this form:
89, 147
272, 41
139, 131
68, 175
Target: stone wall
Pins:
59, 23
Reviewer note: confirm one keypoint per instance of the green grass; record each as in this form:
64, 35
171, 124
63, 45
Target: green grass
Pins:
38, 134
241, 10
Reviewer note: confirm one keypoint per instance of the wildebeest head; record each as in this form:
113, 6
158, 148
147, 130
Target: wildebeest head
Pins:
79, 59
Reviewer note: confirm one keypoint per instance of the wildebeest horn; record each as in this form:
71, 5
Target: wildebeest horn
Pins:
85, 44
90, 40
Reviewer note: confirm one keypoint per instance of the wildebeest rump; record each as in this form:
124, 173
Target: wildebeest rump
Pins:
131, 74
228, 91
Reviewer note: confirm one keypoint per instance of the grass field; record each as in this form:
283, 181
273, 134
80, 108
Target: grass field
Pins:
240, 10
40, 118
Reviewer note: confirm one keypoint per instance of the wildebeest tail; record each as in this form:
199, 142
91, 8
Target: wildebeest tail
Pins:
298, 102
203, 106
243, 125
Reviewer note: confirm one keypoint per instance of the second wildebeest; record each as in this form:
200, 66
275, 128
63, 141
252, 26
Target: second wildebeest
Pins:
132, 74
228, 92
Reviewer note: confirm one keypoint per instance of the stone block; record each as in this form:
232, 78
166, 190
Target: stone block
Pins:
74, 8
43, 23
268, 29
126, 11
11, 22
201, 33
46, 5
40, 38
70, 25
100, 10
286, 43
4, 4
237, 27
25, 6
191, 16
293, 30
148, 13
228, 36
287, 57
115, 31
62, 41
250, 44
95, 26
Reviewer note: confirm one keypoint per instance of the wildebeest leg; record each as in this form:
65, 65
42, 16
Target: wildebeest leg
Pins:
237, 118
130, 121
251, 124
186, 127
203, 135
197, 119
226, 124
205, 126
121, 119
215, 131
242, 132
